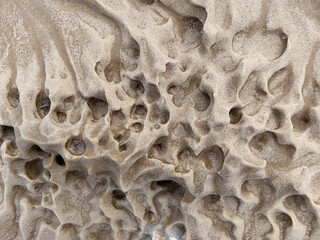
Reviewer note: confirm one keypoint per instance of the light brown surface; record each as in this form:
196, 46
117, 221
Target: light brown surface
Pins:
167, 119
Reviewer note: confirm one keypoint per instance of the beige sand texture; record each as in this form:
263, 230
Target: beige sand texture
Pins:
159, 119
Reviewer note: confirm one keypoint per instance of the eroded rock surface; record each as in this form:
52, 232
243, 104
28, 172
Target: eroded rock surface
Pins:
159, 119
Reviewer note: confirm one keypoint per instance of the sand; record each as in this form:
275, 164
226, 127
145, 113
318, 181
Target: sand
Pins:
159, 119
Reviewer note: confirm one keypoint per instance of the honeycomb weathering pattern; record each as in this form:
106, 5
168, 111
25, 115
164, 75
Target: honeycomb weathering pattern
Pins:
159, 119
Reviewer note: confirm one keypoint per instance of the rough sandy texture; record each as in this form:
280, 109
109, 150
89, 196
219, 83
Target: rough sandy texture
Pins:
167, 119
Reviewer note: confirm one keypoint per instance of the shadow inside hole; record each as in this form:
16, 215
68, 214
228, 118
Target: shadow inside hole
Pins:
122, 147
140, 110
118, 194
235, 115
99, 107
36, 149
13, 97
148, 2
164, 183
60, 161
34, 169
43, 104
170, 186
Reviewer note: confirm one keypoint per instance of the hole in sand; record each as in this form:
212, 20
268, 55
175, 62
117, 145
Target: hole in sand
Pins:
118, 194
60, 161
